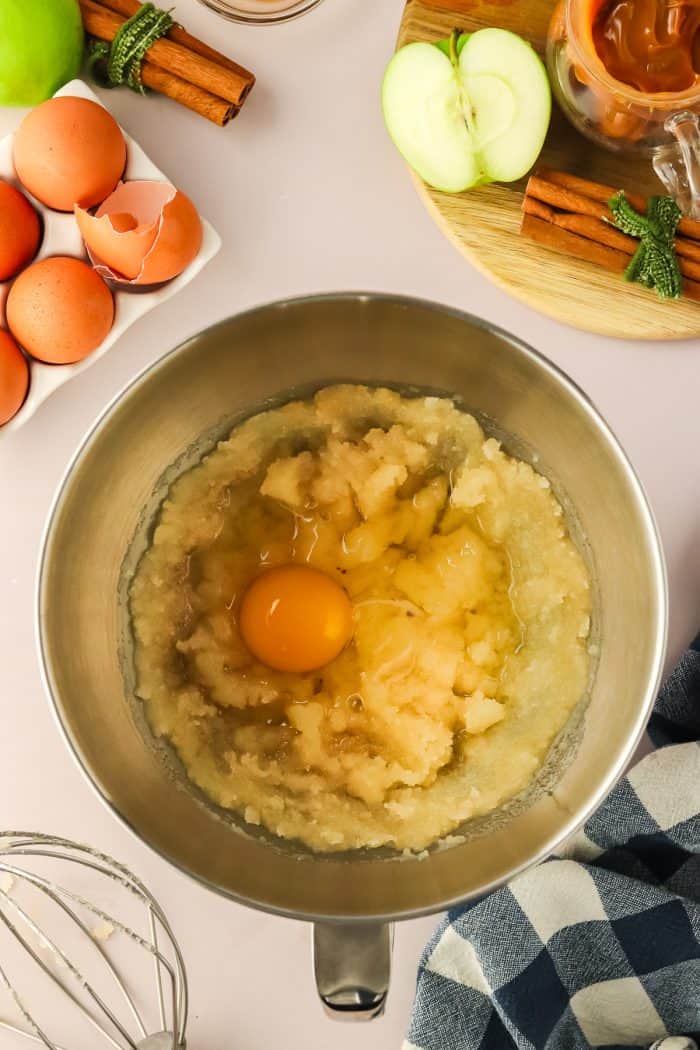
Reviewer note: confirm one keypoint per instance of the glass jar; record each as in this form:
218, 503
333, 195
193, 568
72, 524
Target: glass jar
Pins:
261, 12
664, 126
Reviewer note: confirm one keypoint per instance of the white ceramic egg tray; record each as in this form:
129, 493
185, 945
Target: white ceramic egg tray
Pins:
62, 237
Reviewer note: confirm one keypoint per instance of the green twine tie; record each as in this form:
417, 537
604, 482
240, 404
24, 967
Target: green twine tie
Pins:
654, 264
120, 62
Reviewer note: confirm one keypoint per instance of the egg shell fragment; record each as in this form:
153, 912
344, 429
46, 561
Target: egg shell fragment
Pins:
143, 233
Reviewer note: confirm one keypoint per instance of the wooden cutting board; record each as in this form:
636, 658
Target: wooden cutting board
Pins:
483, 223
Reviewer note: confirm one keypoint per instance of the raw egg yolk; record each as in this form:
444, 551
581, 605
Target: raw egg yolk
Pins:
295, 618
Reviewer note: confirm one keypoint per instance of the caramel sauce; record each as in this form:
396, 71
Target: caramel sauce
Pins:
652, 45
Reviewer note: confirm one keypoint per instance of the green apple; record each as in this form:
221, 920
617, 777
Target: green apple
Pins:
470, 110
41, 48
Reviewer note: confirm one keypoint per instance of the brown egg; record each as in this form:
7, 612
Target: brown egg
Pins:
143, 233
14, 378
59, 310
20, 231
69, 151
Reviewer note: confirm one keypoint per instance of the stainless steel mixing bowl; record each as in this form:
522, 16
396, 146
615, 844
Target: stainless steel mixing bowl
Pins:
229, 371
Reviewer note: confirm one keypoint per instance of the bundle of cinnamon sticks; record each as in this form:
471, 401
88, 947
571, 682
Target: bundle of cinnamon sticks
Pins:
570, 215
178, 65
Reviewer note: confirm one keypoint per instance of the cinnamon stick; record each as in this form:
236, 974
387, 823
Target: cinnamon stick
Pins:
561, 190
687, 248
181, 36
103, 23
566, 243
595, 230
599, 231
207, 105
562, 197
599, 192
215, 109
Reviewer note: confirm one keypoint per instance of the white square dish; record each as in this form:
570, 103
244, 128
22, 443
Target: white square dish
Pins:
62, 237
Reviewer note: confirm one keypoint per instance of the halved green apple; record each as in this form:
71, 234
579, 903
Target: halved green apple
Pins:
470, 110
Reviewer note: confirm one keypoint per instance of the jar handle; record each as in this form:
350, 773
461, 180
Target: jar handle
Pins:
352, 965
678, 163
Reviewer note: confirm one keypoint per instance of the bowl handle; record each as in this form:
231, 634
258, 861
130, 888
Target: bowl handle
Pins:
352, 965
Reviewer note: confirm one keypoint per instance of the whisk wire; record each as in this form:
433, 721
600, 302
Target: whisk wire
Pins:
37, 1034
170, 977
54, 891
7, 1027
159, 976
129, 882
60, 983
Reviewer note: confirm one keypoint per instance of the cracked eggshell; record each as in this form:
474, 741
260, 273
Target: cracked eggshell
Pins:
143, 233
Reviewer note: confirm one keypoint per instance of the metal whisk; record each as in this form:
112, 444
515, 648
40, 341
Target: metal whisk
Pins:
81, 942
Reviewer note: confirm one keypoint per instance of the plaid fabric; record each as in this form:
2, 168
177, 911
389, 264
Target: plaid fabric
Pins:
599, 947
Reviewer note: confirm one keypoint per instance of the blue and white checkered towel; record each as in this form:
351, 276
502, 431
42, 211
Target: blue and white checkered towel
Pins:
597, 948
